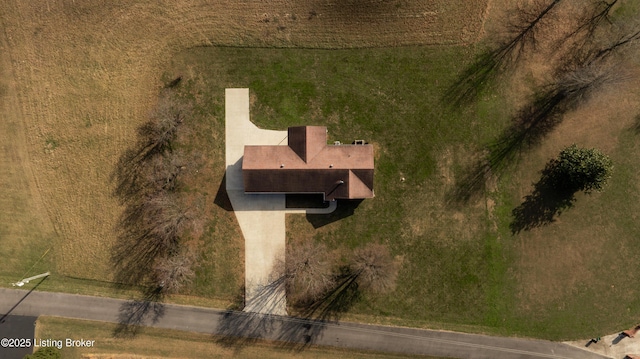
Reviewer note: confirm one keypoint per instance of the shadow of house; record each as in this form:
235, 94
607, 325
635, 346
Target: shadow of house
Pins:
222, 197
345, 208
303, 201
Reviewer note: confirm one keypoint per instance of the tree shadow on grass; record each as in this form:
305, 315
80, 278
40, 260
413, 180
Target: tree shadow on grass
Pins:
474, 79
542, 206
239, 329
635, 127
489, 65
134, 314
527, 130
345, 208
314, 317
135, 252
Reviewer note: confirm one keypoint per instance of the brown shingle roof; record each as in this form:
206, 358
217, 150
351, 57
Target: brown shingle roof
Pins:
309, 165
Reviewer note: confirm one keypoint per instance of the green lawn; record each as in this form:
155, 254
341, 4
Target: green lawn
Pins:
453, 264
461, 266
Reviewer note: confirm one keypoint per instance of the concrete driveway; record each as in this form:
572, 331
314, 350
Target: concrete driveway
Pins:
261, 216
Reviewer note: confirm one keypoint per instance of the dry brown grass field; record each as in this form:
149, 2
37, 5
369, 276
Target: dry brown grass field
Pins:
79, 76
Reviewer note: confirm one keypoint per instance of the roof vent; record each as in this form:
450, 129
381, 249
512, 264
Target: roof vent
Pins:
282, 165
331, 165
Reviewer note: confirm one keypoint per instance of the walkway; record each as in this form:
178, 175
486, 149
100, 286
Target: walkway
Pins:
261, 216
231, 327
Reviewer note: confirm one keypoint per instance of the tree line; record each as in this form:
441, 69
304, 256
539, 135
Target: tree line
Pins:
150, 249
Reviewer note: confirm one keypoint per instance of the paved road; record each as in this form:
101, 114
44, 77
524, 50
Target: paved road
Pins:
237, 327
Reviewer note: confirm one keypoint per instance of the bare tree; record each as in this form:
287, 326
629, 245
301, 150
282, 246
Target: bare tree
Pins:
374, 268
136, 172
164, 218
308, 271
173, 272
162, 128
524, 27
153, 219
538, 118
161, 173
149, 228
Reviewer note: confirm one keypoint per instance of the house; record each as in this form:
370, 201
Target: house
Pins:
309, 165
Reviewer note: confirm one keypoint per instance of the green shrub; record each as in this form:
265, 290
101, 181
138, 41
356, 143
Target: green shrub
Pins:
45, 353
580, 169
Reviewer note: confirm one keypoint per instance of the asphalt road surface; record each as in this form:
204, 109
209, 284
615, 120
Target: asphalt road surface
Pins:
238, 328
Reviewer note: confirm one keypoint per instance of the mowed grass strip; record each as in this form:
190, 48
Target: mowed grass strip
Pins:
165, 343
26, 233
